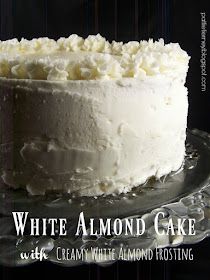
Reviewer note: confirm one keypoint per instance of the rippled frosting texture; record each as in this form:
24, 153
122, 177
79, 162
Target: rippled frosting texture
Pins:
91, 137
75, 58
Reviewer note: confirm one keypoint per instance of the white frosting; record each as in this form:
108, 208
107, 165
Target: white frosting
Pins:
75, 58
94, 137
90, 117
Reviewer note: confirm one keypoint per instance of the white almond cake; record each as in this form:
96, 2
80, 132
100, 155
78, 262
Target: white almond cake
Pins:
90, 117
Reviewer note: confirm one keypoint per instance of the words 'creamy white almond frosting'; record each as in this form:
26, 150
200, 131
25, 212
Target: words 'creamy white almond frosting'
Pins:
90, 117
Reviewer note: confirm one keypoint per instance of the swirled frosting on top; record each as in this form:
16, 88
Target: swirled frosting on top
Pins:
75, 58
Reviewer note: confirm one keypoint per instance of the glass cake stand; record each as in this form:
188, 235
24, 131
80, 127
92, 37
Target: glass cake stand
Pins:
180, 195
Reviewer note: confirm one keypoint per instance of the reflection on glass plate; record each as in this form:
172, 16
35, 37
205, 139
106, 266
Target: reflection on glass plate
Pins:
184, 194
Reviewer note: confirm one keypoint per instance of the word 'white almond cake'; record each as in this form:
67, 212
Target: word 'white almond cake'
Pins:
90, 117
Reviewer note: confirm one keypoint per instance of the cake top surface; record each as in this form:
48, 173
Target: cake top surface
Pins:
75, 58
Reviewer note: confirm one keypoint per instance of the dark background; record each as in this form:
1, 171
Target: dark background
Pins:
173, 20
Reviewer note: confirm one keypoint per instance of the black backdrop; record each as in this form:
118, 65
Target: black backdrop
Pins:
173, 20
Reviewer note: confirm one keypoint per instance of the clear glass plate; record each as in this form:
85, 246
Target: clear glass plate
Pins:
183, 194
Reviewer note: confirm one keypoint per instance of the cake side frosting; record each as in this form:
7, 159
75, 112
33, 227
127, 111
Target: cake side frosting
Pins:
95, 137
